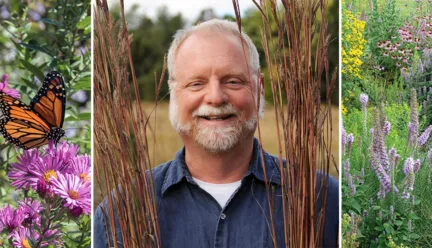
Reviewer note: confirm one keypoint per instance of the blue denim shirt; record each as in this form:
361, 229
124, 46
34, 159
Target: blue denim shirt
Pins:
190, 217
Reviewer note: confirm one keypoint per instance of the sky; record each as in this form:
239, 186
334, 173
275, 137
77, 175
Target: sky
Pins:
190, 9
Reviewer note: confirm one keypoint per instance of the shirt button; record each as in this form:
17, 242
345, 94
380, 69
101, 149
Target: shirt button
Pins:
223, 216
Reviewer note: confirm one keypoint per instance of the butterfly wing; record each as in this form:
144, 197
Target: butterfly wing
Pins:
20, 125
50, 100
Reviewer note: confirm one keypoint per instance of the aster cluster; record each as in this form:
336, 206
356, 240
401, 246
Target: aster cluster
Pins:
61, 178
57, 172
21, 225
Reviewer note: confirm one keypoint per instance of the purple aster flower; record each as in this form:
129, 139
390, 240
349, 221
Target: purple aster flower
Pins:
11, 218
62, 153
81, 167
424, 136
76, 211
30, 209
20, 237
365, 213
73, 190
3, 88
364, 99
32, 166
386, 128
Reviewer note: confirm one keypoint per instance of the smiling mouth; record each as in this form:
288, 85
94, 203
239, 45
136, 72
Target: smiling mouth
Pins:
217, 117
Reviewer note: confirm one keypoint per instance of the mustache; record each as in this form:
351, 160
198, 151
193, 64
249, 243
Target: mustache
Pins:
206, 110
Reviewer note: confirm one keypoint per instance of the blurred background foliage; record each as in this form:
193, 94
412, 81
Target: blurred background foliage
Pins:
37, 37
151, 39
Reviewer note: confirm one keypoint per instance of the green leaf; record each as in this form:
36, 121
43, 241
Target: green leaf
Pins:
356, 206
414, 236
84, 23
81, 117
38, 48
376, 207
83, 84
33, 69
53, 22
398, 222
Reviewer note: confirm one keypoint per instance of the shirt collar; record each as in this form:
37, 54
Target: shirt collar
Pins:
178, 171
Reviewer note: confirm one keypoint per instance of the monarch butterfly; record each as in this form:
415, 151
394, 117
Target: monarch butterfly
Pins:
33, 126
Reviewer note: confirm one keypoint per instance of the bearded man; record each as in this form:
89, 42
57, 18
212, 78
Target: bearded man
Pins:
213, 193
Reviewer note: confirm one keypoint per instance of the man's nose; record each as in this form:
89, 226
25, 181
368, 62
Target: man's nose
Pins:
215, 94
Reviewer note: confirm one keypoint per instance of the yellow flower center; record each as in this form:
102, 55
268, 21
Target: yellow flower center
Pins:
25, 243
48, 174
73, 194
85, 177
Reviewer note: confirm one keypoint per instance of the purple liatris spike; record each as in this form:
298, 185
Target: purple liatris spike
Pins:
409, 166
416, 166
424, 136
350, 140
413, 117
386, 128
397, 157
343, 141
364, 99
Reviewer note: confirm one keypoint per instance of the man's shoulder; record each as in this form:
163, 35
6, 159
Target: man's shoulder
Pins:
159, 172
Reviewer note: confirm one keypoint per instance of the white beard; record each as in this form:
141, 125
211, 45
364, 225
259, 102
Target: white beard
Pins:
213, 139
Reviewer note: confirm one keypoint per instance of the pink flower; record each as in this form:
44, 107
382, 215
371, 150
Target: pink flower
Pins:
3, 88
11, 218
75, 192
33, 166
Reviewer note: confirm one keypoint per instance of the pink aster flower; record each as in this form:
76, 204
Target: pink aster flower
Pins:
30, 209
11, 218
3, 87
27, 173
80, 166
75, 192
33, 167
20, 238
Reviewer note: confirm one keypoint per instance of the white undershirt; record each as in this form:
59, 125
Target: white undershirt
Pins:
221, 192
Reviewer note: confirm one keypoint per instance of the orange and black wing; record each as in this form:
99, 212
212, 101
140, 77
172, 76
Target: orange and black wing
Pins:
20, 125
50, 101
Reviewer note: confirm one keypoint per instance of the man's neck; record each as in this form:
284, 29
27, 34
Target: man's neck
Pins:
223, 167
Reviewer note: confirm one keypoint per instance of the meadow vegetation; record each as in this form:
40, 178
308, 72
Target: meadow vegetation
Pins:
386, 149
